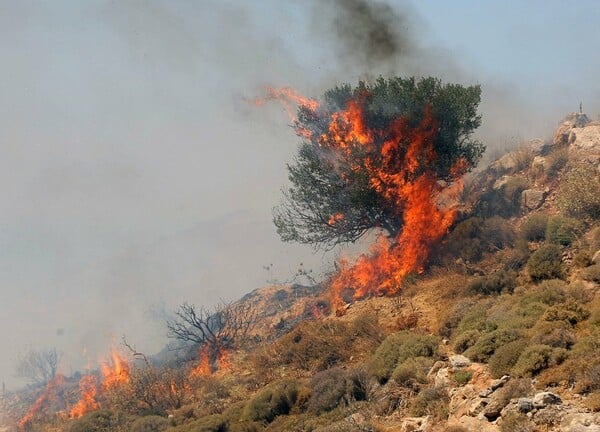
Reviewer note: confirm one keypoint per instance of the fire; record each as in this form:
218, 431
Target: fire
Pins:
115, 371
209, 362
203, 368
88, 387
49, 392
398, 161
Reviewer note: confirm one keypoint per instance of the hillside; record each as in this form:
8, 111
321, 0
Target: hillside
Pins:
500, 333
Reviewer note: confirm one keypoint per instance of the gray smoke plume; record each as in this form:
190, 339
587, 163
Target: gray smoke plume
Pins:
368, 32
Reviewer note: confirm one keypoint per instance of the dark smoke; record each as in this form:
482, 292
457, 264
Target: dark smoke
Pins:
366, 32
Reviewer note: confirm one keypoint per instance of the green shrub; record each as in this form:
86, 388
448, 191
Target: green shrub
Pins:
556, 334
274, 400
334, 387
476, 319
397, 348
534, 228
579, 192
489, 342
495, 283
99, 421
545, 263
432, 401
533, 359
592, 273
150, 424
466, 340
563, 230
462, 377
505, 357
569, 312
412, 372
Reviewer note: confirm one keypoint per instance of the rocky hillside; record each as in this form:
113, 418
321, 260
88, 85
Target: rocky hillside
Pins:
500, 333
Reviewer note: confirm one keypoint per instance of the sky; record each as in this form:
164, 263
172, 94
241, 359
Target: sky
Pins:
135, 175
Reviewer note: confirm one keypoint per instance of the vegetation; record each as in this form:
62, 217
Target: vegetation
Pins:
579, 192
545, 263
325, 182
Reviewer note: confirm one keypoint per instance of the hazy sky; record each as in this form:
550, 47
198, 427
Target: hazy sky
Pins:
134, 175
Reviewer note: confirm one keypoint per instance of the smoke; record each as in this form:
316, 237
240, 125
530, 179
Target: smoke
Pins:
367, 32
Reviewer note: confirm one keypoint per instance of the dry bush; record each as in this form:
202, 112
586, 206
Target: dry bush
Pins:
591, 273
432, 401
494, 283
150, 424
592, 402
515, 422
337, 387
556, 161
101, 421
579, 192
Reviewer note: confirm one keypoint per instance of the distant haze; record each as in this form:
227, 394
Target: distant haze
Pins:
135, 177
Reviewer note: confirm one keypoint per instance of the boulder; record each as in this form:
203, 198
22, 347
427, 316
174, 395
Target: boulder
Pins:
497, 383
532, 199
442, 378
524, 405
415, 424
586, 138
461, 399
458, 361
543, 399
539, 163
580, 422
502, 181
563, 134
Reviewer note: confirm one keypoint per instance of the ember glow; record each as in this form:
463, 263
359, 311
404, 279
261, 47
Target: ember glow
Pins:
398, 160
209, 363
88, 388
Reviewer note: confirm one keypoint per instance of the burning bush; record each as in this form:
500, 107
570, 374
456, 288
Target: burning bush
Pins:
387, 156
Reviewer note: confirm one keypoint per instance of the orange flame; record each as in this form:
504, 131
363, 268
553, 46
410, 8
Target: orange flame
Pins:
224, 360
398, 161
115, 371
203, 368
88, 387
49, 392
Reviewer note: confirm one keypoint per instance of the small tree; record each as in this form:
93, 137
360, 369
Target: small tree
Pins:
38, 367
355, 146
225, 327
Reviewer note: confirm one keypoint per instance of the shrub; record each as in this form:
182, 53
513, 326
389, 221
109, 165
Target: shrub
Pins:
533, 359
99, 421
592, 402
592, 273
412, 372
431, 401
335, 387
515, 422
579, 192
489, 342
494, 283
276, 399
545, 263
471, 238
211, 423
397, 348
556, 334
505, 357
514, 259
462, 377
504, 201
466, 340
569, 312
563, 230
556, 161
534, 228
476, 319
150, 424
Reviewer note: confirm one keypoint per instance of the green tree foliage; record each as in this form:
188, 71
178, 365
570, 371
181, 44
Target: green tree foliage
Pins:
325, 181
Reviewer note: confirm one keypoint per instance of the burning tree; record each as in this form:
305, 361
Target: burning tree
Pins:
387, 156
216, 331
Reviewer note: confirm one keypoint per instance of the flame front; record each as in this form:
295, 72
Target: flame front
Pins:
115, 372
88, 388
398, 160
49, 392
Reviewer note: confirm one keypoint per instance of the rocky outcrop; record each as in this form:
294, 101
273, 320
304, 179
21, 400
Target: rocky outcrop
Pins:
563, 135
532, 199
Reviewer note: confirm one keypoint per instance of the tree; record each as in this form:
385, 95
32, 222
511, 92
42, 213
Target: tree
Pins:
38, 367
223, 328
355, 144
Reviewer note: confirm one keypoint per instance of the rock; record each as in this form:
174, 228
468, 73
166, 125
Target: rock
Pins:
497, 383
506, 163
414, 424
494, 408
524, 405
442, 378
580, 422
596, 257
563, 133
460, 400
474, 424
532, 199
485, 393
539, 163
435, 368
476, 407
544, 399
586, 138
459, 361
356, 418
502, 181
